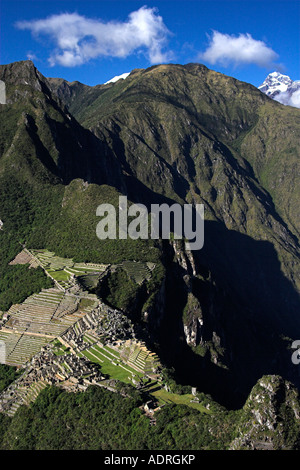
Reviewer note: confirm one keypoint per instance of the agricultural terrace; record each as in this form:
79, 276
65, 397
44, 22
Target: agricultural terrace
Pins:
138, 271
38, 320
62, 270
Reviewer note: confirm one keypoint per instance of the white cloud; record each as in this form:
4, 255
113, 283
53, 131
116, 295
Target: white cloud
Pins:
31, 56
226, 49
79, 39
290, 99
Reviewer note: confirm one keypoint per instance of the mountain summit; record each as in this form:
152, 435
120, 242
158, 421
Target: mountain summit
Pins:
275, 83
282, 88
117, 77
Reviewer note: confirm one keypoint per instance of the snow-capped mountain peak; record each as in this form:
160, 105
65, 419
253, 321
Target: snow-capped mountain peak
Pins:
117, 77
275, 83
282, 88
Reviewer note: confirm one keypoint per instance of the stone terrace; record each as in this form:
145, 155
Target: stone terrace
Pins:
40, 319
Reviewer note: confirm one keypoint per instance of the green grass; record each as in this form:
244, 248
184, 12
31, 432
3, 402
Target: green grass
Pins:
107, 368
113, 351
60, 349
59, 275
167, 397
86, 303
96, 355
97, 350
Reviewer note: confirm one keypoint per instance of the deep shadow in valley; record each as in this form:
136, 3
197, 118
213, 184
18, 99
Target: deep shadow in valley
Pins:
247, 304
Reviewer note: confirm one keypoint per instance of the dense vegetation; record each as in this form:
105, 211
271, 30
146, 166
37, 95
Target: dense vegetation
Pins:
17, 282
100, 419
120, 291
7, 375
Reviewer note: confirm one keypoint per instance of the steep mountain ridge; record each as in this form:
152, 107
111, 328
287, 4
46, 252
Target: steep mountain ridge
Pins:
59, 142
172, 133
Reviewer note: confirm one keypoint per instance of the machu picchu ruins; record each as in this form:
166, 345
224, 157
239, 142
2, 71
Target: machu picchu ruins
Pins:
68, 337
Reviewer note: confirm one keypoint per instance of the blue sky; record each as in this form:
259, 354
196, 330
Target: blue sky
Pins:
94, 40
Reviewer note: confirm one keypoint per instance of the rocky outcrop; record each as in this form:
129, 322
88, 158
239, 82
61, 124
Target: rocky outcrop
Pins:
193, 320
270, 418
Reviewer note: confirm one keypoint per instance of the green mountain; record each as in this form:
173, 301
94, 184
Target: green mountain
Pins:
192, 135
221, 317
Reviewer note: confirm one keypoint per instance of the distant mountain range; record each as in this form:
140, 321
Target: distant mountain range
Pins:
277, 86
282, 88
